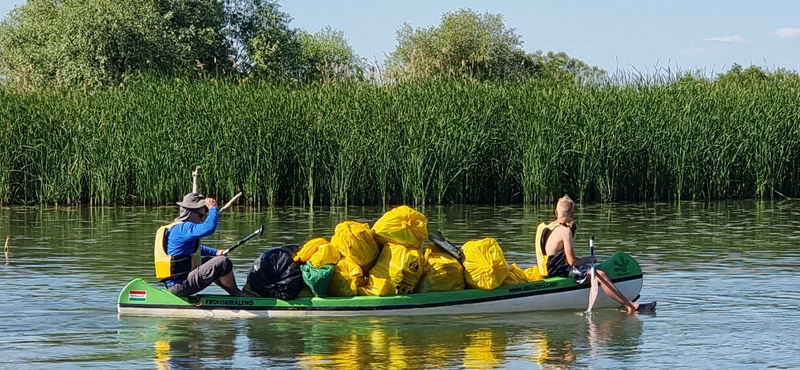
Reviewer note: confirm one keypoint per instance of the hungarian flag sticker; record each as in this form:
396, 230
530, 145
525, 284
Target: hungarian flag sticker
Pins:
137, 295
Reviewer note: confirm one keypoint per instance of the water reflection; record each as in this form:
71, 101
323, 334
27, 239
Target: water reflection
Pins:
546, 341
718, 269
179, 343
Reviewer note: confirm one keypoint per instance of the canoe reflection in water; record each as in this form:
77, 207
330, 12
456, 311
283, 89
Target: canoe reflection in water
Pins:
541, 340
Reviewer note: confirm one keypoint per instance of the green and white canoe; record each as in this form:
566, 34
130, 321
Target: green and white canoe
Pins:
139, 298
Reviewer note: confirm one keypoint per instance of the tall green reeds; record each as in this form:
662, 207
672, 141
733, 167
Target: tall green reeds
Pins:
424, 142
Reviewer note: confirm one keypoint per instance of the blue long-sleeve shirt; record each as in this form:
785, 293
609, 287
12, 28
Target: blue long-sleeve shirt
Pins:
181, 238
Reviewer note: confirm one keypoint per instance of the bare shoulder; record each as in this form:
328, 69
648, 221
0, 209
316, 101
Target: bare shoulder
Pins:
560, 231
555, 241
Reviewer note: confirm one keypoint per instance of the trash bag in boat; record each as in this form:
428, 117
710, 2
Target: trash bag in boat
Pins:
346, 278
356, 241
318, 252
317, 278
326, 254
533, 273
308, 249
485, 265
397, 271
402, 225
275, 274
515, 275
442, 271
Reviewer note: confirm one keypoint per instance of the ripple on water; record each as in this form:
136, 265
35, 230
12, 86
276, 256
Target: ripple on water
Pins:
724, 273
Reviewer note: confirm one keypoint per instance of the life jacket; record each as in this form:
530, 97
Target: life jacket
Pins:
543, 232
173, 266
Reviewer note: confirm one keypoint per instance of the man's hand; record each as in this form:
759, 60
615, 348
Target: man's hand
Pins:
590, 259
211, 203
222, 252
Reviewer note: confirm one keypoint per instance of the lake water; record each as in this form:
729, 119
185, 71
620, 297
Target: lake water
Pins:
725, 275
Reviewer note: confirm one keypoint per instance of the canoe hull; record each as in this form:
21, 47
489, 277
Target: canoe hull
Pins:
139, 298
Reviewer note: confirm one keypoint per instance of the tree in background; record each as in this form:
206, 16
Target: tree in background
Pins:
754, 75
466, 43
560, 66
328, 56
266, 45
95, 42
268, 48
480, 46
103, 42
199, 29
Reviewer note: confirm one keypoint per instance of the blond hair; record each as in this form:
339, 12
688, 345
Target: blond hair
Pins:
565, 206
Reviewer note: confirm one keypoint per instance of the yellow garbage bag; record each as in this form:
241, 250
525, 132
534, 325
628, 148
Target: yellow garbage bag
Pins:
347, 277
442, 271
356, 241
325, 254
515, 275
308, 249
397, 271
402, 225
485, 265
534, 274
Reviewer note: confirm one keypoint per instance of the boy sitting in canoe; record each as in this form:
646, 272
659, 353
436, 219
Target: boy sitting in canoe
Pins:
178, 251
561, 259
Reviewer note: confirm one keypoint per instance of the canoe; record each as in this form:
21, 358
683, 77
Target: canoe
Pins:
139, 298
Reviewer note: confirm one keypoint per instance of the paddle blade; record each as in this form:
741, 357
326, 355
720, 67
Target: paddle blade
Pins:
593, 286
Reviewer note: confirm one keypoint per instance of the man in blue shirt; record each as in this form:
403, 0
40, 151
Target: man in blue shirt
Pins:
197, 219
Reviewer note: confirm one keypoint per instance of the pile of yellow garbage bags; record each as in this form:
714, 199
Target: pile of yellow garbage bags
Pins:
396, 257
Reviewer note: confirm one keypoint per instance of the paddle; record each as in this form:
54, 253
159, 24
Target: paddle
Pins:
246, 238
593, 286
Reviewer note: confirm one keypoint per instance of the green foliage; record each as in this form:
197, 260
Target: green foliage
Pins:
466, 43
327, 56
198, 27
560, 66
79, 43
479, 46
755, 75
94, 42
270, 49
426, 141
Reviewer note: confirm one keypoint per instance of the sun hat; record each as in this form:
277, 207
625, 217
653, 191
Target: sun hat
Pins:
192, 201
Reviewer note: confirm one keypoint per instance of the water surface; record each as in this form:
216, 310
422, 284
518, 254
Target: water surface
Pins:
725, 275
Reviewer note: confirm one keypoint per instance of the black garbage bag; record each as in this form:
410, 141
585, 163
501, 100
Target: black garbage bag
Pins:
275, 274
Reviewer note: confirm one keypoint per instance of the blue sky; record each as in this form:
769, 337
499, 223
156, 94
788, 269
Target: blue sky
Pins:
685, 35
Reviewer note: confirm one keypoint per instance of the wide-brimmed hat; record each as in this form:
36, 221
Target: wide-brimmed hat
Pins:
192, 201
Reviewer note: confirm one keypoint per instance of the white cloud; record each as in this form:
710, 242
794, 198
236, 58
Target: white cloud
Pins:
734, 38
787, 32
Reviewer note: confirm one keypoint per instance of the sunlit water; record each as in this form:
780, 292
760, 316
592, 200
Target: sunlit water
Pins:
725, 275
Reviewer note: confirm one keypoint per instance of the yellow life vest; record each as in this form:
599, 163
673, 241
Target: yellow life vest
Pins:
543, 232
173, 266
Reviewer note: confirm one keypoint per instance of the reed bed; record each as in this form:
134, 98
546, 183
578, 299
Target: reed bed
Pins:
427, 142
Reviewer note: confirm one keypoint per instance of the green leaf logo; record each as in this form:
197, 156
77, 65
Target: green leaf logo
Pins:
622, 265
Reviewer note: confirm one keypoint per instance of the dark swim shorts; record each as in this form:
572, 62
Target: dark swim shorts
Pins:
203, 276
